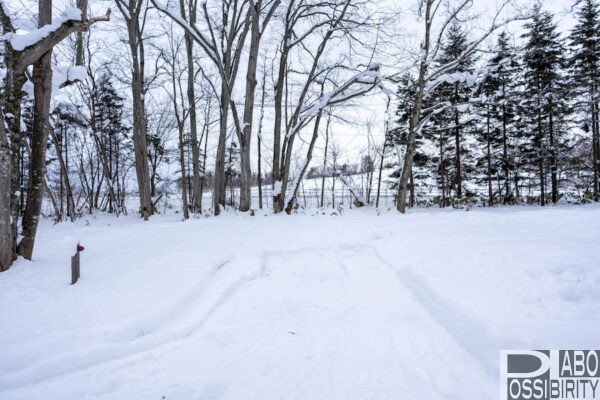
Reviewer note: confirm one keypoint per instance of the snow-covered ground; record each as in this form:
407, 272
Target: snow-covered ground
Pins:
311, 306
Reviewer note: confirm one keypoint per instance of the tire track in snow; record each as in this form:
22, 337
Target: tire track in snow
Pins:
467, 332
85, 358
226, 280
412, 335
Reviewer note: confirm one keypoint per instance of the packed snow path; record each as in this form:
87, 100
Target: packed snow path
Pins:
302, 307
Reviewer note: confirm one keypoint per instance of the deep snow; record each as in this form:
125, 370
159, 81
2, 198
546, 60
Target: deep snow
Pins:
311, 306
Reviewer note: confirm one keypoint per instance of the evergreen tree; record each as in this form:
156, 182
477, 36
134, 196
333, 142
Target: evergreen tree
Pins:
585, 77
545, 101
109, 133
497, 113
448, 128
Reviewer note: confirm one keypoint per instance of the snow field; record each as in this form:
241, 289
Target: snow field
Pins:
357, 306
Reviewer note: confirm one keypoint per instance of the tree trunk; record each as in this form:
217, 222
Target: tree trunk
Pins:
246, 139
595, 146
82, 5
380, 173
457, 162
542, 183
415, 114
278, 100
505, 162
411, 202
553, 157
6, 244
442, 171
259, 144
288, 145
140, 142
489, 160
218, 197
184, 198
196, 204
325, 161
42, 81
204, 155
517, 193
541, 155
14, 81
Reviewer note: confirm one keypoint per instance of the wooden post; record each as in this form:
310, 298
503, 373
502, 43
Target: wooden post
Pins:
74, 268
75, 265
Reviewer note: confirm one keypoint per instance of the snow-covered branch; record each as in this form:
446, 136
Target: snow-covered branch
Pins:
32, 45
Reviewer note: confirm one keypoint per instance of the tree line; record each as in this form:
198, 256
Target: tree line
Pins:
517, 125
237, 72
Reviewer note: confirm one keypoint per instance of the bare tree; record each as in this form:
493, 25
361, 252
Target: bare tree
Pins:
134, 13
161, 126
191, 11
175, 92
339, 83
223, 44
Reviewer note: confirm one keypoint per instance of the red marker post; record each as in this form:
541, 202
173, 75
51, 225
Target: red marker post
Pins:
75, 264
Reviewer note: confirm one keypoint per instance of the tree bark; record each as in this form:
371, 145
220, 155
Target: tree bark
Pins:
6, 243
245, 139
13, 83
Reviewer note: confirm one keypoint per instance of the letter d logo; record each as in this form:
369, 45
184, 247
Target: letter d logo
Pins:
521, 364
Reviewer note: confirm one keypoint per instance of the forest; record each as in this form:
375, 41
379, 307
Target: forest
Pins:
232, 104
